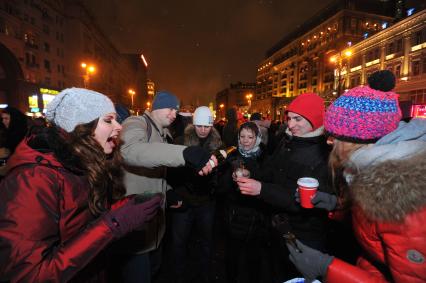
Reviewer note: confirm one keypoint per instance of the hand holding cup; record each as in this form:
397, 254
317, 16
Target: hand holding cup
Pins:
307, 190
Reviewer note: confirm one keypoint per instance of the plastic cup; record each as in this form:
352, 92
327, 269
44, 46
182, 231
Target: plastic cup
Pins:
307, 190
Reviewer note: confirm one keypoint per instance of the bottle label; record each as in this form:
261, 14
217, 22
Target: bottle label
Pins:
223, 153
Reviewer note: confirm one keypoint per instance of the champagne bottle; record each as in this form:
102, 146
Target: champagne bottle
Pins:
222, 154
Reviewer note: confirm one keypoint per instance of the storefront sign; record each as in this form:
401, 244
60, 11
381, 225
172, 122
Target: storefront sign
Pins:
418, 111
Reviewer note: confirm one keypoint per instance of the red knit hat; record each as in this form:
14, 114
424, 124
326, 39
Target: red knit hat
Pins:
311, 107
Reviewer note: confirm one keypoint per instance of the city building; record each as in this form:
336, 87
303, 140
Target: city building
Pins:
400, 48
49, 45
239, 95
150, 87
315, 57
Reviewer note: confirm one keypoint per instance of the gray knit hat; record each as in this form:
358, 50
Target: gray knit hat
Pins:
74, 106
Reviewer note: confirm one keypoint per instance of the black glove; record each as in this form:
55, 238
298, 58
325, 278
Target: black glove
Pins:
324, 200
321, 200
196, 157
310, 262
132, 215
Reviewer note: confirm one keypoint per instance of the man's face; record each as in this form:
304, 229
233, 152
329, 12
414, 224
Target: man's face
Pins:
298, 125
164, 116
203, 131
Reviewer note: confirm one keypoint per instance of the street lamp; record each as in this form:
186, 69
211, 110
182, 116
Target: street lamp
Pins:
341, 68
89, 70
221, 106
249, 97
132, 94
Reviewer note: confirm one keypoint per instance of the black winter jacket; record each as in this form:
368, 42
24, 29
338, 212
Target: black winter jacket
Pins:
294, 158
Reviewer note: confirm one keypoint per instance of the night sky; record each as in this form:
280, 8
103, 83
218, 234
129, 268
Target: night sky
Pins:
195, 48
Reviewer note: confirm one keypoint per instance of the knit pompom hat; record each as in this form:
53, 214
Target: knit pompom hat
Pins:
364, 114
74, 106
311, 107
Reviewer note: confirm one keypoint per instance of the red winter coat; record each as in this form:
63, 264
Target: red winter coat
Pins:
47, 233
390, 224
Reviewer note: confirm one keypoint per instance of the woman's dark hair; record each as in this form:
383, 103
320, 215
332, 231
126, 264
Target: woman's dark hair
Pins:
104, 172
80, 153
17, 128
249, 126
18, 120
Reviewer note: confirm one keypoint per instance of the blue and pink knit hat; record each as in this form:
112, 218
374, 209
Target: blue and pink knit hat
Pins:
364, 114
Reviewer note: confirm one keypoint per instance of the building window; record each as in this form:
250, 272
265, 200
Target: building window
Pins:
424, 66
399, 45
390, 49
46, 29
47, 65
46, 47
415, 68
398, 71
417, 39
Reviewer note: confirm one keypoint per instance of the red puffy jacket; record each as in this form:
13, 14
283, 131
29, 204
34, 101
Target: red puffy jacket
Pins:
389, 221
400, 248
47, 233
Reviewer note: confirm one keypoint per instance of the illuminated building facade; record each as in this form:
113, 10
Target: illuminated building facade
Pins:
300, 62
43, 44
401, 49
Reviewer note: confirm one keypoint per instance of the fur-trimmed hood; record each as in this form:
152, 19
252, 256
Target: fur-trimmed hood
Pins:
213, 140
392, 189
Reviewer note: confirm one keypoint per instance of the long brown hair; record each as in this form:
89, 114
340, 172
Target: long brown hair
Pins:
104, 172
338, 162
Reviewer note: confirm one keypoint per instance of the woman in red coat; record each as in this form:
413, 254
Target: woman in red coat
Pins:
383, 162
60, 204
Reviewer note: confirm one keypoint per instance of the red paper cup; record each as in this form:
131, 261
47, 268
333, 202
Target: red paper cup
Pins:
307, 190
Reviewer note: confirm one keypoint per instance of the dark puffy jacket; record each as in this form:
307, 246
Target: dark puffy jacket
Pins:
47, 233
297, 157
247, 218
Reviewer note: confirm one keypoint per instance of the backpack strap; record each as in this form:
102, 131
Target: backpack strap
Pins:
148, 127
151, 124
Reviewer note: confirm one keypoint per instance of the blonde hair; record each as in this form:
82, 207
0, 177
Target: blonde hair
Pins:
338, 162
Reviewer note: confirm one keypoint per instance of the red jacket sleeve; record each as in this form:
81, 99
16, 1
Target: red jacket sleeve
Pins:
31, 246
340, 271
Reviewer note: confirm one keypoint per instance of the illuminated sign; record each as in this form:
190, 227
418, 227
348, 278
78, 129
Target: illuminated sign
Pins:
418, 111
33, 101
48, 91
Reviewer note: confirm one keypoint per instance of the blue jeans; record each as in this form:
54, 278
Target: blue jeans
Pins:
194, 223
140, 268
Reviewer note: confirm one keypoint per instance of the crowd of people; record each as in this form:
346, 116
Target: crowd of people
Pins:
88, 196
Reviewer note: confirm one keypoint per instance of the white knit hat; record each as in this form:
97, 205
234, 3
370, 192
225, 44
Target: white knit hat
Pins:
74, 106
203, 116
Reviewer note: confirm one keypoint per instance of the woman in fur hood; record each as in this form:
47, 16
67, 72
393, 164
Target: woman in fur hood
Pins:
383, 163
192, 202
